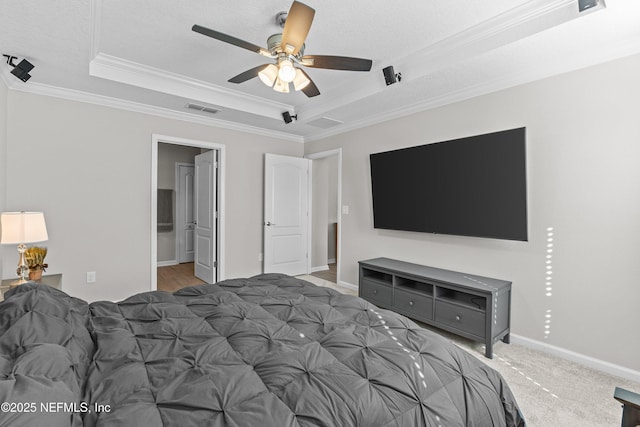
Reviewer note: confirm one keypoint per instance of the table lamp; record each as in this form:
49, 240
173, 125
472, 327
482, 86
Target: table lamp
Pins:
21, 228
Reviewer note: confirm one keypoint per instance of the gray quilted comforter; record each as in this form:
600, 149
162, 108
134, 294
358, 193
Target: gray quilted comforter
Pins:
271, 350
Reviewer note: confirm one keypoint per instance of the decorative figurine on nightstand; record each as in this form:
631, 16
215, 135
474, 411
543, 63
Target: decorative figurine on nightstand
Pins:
21, 228
35, 256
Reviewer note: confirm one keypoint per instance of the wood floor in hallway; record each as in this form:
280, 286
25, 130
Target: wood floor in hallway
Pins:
174, 277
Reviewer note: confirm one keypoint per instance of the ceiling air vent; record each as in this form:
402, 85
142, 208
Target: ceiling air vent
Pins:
202, 108
325, 122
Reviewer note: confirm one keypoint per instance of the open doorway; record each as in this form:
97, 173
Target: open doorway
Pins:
325, 214
187, 213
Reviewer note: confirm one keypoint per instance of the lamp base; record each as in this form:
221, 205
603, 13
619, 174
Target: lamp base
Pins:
23, 270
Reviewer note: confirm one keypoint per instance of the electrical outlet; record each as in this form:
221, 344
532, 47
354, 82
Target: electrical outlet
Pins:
345, 209
260, 257
91, 277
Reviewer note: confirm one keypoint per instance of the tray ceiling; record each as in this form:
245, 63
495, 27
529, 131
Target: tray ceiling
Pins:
142, 55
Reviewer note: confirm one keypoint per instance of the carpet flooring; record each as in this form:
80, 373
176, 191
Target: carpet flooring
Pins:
551, 392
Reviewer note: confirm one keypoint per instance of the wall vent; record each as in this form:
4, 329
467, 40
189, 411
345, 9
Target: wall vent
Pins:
203, 108
325, 122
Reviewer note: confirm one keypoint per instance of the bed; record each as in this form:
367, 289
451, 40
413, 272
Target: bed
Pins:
271, 350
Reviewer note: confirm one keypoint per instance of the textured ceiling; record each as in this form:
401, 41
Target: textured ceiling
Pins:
142, 54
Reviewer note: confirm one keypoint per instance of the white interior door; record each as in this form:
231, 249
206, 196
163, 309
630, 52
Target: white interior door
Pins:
286, 214
205, 216
185, 218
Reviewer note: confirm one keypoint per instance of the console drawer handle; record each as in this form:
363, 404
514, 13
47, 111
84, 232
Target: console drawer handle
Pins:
375, 292
411, 303
457, 317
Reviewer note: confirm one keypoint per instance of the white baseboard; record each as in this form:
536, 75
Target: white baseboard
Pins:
166, 263
331, 261
591, 362
349, 285
320, 268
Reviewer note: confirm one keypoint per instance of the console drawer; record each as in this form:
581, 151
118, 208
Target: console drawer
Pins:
413, 304
376, 292
461, 318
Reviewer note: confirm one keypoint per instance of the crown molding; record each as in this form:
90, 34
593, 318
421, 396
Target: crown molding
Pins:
135, 74
96, 27
515, 24
106, 101
519, 22
631, 47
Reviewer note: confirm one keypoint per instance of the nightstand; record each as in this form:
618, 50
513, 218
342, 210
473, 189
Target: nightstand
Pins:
53, 280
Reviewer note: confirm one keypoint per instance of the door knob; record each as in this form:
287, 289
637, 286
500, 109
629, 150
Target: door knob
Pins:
269, 223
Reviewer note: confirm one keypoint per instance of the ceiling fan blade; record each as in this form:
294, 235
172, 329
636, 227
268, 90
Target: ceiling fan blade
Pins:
336, 62
247, 75
311, 89
227, 38
296, 27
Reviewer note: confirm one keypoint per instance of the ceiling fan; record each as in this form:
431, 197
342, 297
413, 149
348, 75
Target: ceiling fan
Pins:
287, 49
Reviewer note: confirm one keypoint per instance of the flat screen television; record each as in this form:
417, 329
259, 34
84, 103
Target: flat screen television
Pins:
474, 186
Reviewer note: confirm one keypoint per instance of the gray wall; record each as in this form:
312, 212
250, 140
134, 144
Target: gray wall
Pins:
168, 156
583, 146
319, 215
3, 155
89, 171
332, 203
324, 210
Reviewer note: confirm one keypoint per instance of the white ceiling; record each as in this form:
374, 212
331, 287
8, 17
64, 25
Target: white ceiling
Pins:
142, 55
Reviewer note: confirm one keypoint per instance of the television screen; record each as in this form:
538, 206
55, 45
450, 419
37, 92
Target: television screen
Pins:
473, 186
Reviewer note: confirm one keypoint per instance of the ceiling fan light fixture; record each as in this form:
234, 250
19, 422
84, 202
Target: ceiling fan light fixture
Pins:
287, 50
281, 86
301, 80
286, 70
268, 75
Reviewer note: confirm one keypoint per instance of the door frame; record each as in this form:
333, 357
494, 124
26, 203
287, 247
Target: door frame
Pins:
179, 210
157, 139
322, 155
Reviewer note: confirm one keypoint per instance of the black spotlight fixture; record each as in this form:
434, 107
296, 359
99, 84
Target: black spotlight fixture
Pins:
288, 118
10, 59
21, 70
390, 76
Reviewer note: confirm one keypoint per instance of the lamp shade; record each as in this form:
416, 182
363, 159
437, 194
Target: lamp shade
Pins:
22, 227
301, 81
268, 75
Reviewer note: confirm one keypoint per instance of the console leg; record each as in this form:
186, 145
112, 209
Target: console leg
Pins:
488, 353
630, 416
506, 339
630, 406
